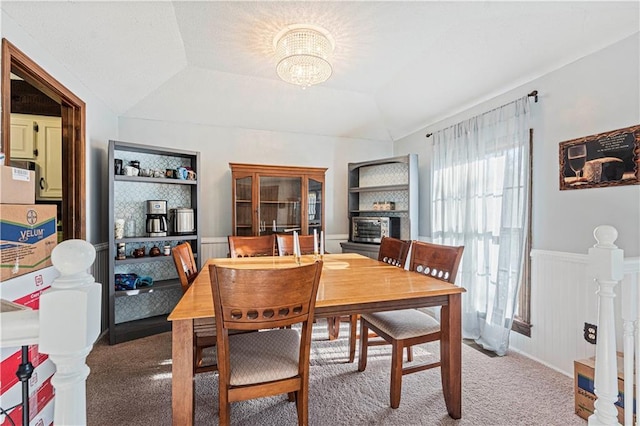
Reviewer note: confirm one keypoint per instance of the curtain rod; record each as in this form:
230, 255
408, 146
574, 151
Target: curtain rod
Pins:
533, 94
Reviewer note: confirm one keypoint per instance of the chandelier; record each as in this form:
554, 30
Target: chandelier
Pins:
303, 53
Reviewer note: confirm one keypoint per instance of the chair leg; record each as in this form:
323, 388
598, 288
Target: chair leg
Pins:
364, 343
197, 357
224, 408
291, 396
409, 353
353, 325
333, 327
302, 406
396, 374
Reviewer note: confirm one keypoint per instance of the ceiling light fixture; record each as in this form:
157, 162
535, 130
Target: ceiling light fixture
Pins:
303, 54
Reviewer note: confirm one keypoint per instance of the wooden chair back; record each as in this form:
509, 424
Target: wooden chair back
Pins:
284, 243
437, 260
252, 246
263, 299
394, 251
185, 264
255, 299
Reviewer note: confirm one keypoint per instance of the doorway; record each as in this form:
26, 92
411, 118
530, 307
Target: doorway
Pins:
73, 112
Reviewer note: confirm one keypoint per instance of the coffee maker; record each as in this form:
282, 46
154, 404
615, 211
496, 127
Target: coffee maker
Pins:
156, 218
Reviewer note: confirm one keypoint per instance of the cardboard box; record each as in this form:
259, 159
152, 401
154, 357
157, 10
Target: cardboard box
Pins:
17, 186
27, 237
584, 388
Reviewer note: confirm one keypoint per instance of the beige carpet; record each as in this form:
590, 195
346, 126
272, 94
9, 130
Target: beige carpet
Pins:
130, 384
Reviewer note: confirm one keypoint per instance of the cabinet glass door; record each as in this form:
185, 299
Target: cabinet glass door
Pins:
279, 207
243, 206
315, 201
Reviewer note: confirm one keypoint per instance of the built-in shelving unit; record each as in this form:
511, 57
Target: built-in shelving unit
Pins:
392, 181
143, 311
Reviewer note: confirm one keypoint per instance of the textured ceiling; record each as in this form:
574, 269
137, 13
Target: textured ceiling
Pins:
398, 66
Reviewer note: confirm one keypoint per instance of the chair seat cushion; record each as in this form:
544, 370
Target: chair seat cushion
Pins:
263, 356
403, 324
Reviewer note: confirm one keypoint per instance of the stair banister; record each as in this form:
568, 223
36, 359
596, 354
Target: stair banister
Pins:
606, 268
65, 327
629, 314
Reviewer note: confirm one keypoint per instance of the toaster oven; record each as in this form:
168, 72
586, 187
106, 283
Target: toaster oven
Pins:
372, 229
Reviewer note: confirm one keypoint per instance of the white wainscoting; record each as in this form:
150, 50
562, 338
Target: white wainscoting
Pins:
562, 300
100, 272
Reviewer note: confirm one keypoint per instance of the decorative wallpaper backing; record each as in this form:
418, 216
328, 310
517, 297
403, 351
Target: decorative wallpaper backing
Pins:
384, 174
146, 304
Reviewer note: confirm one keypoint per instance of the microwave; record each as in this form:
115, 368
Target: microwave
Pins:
372, 229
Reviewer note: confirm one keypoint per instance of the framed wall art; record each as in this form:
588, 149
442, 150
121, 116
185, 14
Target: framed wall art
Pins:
606, 159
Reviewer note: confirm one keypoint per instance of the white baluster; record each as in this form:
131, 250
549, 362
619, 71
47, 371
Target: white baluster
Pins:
605, 262
69, 325
637, 338
629, 293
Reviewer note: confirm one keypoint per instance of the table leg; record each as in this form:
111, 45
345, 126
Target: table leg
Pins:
333, 327
451, 355
182, 381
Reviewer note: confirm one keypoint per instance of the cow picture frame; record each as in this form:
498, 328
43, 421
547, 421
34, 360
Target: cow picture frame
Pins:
602, 160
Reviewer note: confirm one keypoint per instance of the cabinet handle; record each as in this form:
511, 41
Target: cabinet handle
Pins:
41, 183
35, 152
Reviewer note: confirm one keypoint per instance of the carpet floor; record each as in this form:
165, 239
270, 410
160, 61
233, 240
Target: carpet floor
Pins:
130, 384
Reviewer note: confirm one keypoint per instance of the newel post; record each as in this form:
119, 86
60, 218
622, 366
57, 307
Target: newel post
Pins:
606, 268
69, 325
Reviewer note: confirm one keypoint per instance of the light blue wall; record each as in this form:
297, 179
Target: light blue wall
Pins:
596, 94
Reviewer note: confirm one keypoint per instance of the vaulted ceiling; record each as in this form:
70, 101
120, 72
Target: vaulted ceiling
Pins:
398, 66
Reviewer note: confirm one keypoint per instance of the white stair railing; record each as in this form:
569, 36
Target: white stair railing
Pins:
65, 327
606, 268
629, 313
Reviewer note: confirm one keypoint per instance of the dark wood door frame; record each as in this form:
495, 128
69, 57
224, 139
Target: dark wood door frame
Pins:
73, 112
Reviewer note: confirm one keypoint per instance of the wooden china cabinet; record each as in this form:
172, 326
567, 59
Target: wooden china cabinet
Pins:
277, 199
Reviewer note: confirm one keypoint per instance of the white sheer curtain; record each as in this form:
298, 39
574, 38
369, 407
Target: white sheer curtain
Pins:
480, 173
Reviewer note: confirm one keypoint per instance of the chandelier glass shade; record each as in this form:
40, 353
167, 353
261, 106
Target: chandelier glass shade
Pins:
303, 54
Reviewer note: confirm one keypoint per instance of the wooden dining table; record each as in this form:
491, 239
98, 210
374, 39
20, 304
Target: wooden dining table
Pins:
350, 284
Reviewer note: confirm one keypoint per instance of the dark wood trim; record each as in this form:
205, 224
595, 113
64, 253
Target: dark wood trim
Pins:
521, 327
73, 112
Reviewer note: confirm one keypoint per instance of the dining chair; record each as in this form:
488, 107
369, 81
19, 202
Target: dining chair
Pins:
204, 329
393, 251
252, 246
410, 327
274, 360
284, 243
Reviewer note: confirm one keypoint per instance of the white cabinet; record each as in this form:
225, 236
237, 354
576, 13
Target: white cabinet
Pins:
38, 138
23, 137
49, 159
385, 187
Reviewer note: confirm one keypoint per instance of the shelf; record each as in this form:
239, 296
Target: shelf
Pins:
157, 286
131, 330
378, 211
401, 159
126, 197
379, 188
189, 237
164, 180
278, 202
144, 259
391, 182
